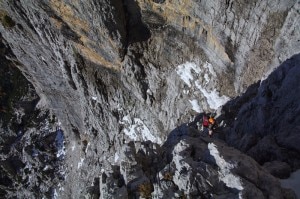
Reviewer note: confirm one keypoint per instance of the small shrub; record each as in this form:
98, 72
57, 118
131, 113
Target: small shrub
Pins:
168, 176
145, 190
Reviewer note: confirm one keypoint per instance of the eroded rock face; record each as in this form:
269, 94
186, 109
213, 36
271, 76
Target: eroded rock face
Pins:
112, 71
32, 150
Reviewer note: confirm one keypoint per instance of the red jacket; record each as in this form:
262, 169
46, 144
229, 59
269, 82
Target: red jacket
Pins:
205, 121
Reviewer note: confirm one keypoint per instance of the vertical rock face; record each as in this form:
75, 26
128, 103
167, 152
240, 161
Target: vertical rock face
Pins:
132, 70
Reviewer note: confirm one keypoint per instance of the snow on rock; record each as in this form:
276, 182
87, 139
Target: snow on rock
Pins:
61, 153
73, 146
197, 77
195, 105
185, 71
116, 157
213, 97
138, 131
55, 195
181, 181
80, 163
210, 69
207, 79
225, 174
94, 98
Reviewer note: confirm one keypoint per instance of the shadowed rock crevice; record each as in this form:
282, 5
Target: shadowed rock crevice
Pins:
263, 121
136, 30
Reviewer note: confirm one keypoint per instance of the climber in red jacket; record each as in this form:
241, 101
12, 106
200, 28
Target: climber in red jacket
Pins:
208, 122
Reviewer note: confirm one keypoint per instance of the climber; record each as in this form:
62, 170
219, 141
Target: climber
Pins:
205, 121
211, 126
208, 123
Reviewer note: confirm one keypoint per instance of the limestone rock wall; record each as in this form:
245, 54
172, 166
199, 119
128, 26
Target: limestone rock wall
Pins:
132, 70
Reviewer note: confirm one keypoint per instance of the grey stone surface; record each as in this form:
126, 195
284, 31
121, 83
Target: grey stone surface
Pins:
186, 165
108, 70
31, 149
278, 169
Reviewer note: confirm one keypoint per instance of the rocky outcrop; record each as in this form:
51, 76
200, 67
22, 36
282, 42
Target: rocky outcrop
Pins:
188, 165
133, 70
32, 150
263, 122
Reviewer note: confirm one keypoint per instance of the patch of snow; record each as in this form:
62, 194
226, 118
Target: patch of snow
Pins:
207, 79
210, 68
189, 71
195, 106
55, 195
80, 163
87, 146
61, 152
180, 163
149, 92
126, 119
116, 157
186, 92
185, 72
293, 182
138, 131
46, 168
73, 146
213, 98
225, 174
94, 98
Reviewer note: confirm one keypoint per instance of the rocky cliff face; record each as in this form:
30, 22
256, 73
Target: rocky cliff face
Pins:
113, 72
188, 165
265, 125
32, 150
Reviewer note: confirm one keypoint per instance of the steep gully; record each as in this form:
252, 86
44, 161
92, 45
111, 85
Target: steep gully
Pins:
90, 97
167, 174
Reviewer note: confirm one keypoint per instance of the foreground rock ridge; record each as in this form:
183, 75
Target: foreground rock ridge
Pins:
111, 80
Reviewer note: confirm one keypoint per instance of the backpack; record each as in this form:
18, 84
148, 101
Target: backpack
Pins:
205, 121
211, 120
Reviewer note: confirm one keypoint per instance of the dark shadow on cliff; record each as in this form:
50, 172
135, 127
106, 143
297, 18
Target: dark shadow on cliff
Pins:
264, 122
136, 30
